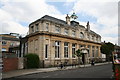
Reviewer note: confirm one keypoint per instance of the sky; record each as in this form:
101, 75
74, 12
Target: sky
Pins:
16, 15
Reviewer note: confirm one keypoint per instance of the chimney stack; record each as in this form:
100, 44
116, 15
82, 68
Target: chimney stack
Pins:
88, 26
68, 19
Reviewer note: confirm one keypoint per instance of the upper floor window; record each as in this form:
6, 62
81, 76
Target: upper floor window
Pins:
57, 29
66, 31
81, 35
36, 27
73, 33
47, 26
32, 28
96, 39
4, 42
92, 37
88, 36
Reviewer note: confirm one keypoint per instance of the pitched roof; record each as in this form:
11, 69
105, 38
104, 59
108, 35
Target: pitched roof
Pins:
59, 21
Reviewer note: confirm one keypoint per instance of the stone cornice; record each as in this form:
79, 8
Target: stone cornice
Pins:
59, 35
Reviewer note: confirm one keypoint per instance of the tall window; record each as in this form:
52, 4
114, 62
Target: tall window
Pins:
73, 33
66, 31
66, 49
73, 50
47, 26
81, 35
57, 49
46, 51
36, 27
57, 29
4, 42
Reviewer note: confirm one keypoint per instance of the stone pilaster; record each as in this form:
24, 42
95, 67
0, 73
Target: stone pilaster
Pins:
62, 50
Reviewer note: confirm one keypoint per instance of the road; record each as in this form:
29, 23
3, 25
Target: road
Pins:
101, 71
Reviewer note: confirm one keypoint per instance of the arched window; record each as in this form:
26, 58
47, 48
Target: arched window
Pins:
81, 35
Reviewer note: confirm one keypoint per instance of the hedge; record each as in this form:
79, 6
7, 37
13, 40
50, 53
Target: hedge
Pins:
32, 60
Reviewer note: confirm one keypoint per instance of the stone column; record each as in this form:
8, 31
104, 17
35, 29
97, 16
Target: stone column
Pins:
62, 50
70, 52
90, 51
99, 53
95, 52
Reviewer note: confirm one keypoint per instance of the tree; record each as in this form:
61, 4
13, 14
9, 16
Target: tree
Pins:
78, 54
107, 49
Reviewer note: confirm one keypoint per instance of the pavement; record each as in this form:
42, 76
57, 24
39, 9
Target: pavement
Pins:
38, 70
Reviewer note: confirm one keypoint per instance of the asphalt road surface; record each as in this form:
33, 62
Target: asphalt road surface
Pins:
101, 71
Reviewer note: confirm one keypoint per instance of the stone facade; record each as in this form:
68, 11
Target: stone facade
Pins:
56, 41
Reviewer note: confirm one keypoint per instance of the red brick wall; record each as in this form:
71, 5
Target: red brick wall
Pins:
10, 64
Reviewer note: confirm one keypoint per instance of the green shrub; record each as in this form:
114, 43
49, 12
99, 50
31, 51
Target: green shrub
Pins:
32, 60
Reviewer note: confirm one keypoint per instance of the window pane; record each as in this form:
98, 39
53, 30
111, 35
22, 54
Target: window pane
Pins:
4, 42
57, 49
46, 51
66, 31
73, 33
81, 35
66, 49
32, 28
47, 28
4, 49
57, 29
36, 27
73, 50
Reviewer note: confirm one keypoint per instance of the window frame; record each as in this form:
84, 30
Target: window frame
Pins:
81, 35
66, 47
66, 31
47, 26
32, 29
46, 51
4, 42
57, 29
73, 33
73, 50
57, 49
37, 26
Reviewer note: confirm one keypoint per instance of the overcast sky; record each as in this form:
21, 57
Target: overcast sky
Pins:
16, 15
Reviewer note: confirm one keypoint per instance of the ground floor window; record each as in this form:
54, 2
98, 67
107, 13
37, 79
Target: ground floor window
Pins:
46, 51
57, 49
73, 50
66, 49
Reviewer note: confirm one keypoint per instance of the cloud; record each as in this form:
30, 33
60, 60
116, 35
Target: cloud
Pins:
11, 26
15, 12
106, 14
